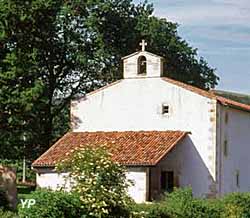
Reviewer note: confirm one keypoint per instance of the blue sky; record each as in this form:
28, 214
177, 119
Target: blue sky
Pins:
220, 29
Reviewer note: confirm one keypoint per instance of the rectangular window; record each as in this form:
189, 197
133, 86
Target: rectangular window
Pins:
167, 181
165, 109
226, 117
237, 178
225, 148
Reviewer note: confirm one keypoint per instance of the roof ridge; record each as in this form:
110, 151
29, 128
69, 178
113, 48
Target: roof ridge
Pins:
143, 52
99, 89
128, 131
192, 88
189, 87
227, 101
207, 93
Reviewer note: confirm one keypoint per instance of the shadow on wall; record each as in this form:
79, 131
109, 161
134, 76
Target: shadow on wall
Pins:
189, 170
201, 176
75, 122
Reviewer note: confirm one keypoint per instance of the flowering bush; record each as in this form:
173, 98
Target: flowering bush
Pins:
100, 182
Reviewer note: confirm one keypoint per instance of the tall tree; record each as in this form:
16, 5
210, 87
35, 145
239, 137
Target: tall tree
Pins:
52, 50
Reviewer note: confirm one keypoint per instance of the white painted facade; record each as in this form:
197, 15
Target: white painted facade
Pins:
135, 104
48, 178
234, 143
139, 178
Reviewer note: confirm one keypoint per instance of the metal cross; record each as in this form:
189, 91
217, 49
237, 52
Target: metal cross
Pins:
143, 44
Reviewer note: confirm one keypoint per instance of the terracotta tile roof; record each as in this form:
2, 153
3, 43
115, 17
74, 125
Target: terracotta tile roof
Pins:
232, 103
224, 101
145, 148
191, 88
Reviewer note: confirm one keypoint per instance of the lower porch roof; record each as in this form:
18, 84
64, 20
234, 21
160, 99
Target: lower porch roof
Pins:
129, 148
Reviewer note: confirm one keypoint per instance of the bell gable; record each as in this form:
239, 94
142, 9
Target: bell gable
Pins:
142, 64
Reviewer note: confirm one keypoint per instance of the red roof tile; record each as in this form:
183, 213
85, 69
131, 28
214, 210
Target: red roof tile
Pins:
234, 104
127, 148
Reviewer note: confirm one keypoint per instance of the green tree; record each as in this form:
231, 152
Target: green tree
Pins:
53, 50
101, 183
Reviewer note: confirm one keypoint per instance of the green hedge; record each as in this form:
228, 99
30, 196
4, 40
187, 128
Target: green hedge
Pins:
51, 204
7, 214
179, 204
236, 205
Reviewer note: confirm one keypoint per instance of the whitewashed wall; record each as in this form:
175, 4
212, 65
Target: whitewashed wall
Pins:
236, 131
135, 104
138, 191
188, 167
47, 178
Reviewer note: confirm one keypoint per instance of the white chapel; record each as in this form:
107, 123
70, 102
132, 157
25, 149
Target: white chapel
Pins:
169, 134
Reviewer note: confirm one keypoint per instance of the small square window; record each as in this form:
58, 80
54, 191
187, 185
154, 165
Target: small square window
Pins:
165, 109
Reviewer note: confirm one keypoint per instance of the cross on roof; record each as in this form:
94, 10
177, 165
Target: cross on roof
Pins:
143, 44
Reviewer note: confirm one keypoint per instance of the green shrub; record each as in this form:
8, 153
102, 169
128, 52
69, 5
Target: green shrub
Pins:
180, 204
236, 205
7, 214
53, 204
154, 210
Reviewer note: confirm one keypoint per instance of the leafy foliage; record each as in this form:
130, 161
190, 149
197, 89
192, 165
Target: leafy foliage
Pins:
57, 204
237, 205
100, 182
53, 50
18, 166
182, 204
7, 214
178, 204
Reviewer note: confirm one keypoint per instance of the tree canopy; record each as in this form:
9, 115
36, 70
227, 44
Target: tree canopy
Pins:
53, 50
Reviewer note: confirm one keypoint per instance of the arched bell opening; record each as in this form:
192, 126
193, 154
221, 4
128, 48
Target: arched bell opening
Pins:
142, 65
